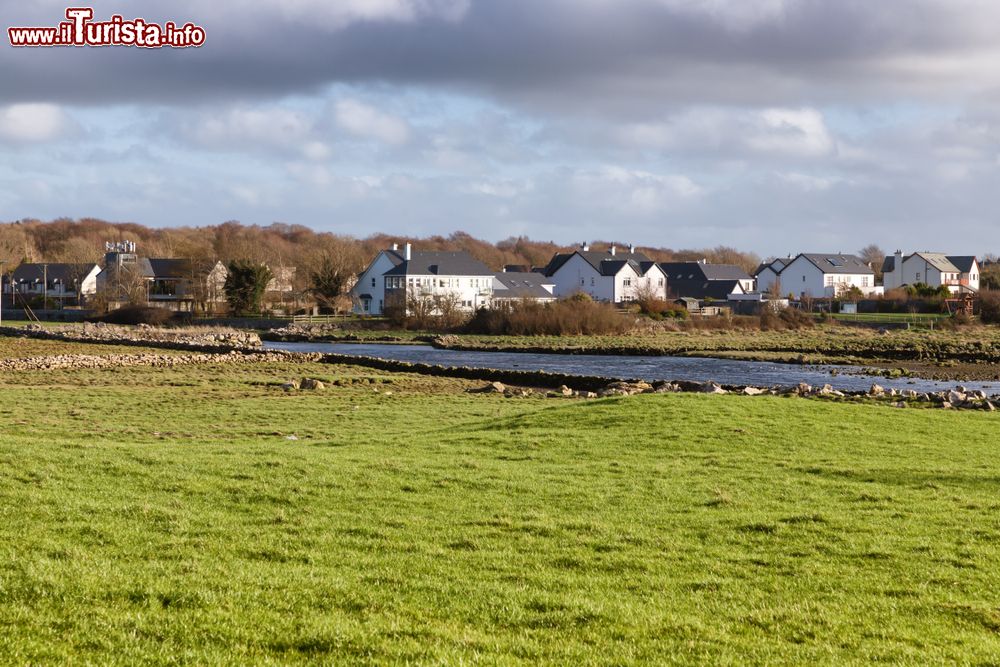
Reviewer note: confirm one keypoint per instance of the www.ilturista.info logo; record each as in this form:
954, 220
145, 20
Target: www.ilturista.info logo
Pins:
80, 30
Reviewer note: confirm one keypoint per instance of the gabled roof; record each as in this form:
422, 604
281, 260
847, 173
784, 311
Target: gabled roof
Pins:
964, 263
699, 271
603, 261
775, 265
521, 285
838, 263
423, 263
53, 271
703, 289
889, 264
936, 259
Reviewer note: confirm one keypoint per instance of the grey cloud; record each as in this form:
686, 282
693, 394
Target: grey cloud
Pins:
624, 56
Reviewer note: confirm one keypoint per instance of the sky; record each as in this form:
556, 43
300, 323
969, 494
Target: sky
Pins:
774, 126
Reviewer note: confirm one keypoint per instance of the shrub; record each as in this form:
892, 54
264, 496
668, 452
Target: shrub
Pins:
138, 315
989, 306
572, 316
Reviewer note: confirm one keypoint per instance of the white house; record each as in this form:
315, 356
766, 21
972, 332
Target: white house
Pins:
959, 272
368, 293
766, 275
396, 277
606, 275
57, 281
820, 275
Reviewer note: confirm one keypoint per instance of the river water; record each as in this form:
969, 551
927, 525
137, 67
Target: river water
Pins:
695, 369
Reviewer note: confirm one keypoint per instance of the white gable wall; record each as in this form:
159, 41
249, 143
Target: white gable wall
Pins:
577, 275
371, 282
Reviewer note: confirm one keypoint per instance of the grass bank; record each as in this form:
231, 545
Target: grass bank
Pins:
203, 515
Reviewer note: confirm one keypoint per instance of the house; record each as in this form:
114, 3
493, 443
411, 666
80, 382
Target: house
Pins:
702, 280
176, 284
826, 275
368, 293
606, 275
766, 275
960, 273
465, 282
522, 286
57, 281
185, 284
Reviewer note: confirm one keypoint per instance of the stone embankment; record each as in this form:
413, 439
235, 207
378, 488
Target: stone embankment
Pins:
86, 361
191, 338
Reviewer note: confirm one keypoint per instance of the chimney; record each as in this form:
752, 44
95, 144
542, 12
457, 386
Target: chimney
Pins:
631, 249
585, 246
395, 247
408, 253
612, 249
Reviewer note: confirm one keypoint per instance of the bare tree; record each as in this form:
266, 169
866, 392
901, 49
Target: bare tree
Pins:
872, 255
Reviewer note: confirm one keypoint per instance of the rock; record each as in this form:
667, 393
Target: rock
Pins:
753, 391
898, 404
491, 388
565, 391
311, 384
712, 388
291, 386
909, 393
956, 397
825, 390
588, 394
876, 390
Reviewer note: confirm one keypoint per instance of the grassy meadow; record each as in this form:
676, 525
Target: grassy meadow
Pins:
201, 515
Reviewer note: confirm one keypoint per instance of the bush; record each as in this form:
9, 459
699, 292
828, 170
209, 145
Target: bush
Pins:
138, 315
572, 316
989, 306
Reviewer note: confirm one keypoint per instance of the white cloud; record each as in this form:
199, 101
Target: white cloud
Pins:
32, 123
362, 120
341, 13
799, 132
239, 128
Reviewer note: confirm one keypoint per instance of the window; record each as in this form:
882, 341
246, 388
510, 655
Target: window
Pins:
627, 282
864, 281
659, 282
583, 282
918, 276
365, 305
591, 282
373, 282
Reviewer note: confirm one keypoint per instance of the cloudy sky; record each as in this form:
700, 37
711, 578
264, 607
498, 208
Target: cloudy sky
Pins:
772, 125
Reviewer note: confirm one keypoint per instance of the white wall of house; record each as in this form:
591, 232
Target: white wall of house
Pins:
577, 275
802, 277
655, 281
372, 282
916, 269
766, 278
470, 292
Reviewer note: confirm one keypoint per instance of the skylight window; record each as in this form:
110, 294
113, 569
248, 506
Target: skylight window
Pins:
834, 261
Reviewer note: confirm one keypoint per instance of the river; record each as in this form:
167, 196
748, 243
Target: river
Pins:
695, 369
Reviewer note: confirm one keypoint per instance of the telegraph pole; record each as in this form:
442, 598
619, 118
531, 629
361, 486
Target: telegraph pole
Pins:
45, 286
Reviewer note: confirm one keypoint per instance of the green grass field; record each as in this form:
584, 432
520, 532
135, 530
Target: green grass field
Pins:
201, 515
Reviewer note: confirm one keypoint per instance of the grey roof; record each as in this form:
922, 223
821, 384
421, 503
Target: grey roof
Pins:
603, 261
702, 289
963, 263
838, 263
699, 271
521, 285
938, 260
53, 271
423, 263
776, 265
889, 264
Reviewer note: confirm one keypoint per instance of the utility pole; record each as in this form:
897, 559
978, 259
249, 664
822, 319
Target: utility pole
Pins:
11, 281
45, 286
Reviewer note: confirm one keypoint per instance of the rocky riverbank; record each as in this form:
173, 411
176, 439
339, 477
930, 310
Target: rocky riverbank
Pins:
188, 338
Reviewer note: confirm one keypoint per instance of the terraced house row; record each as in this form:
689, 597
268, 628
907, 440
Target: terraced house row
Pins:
622, 275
